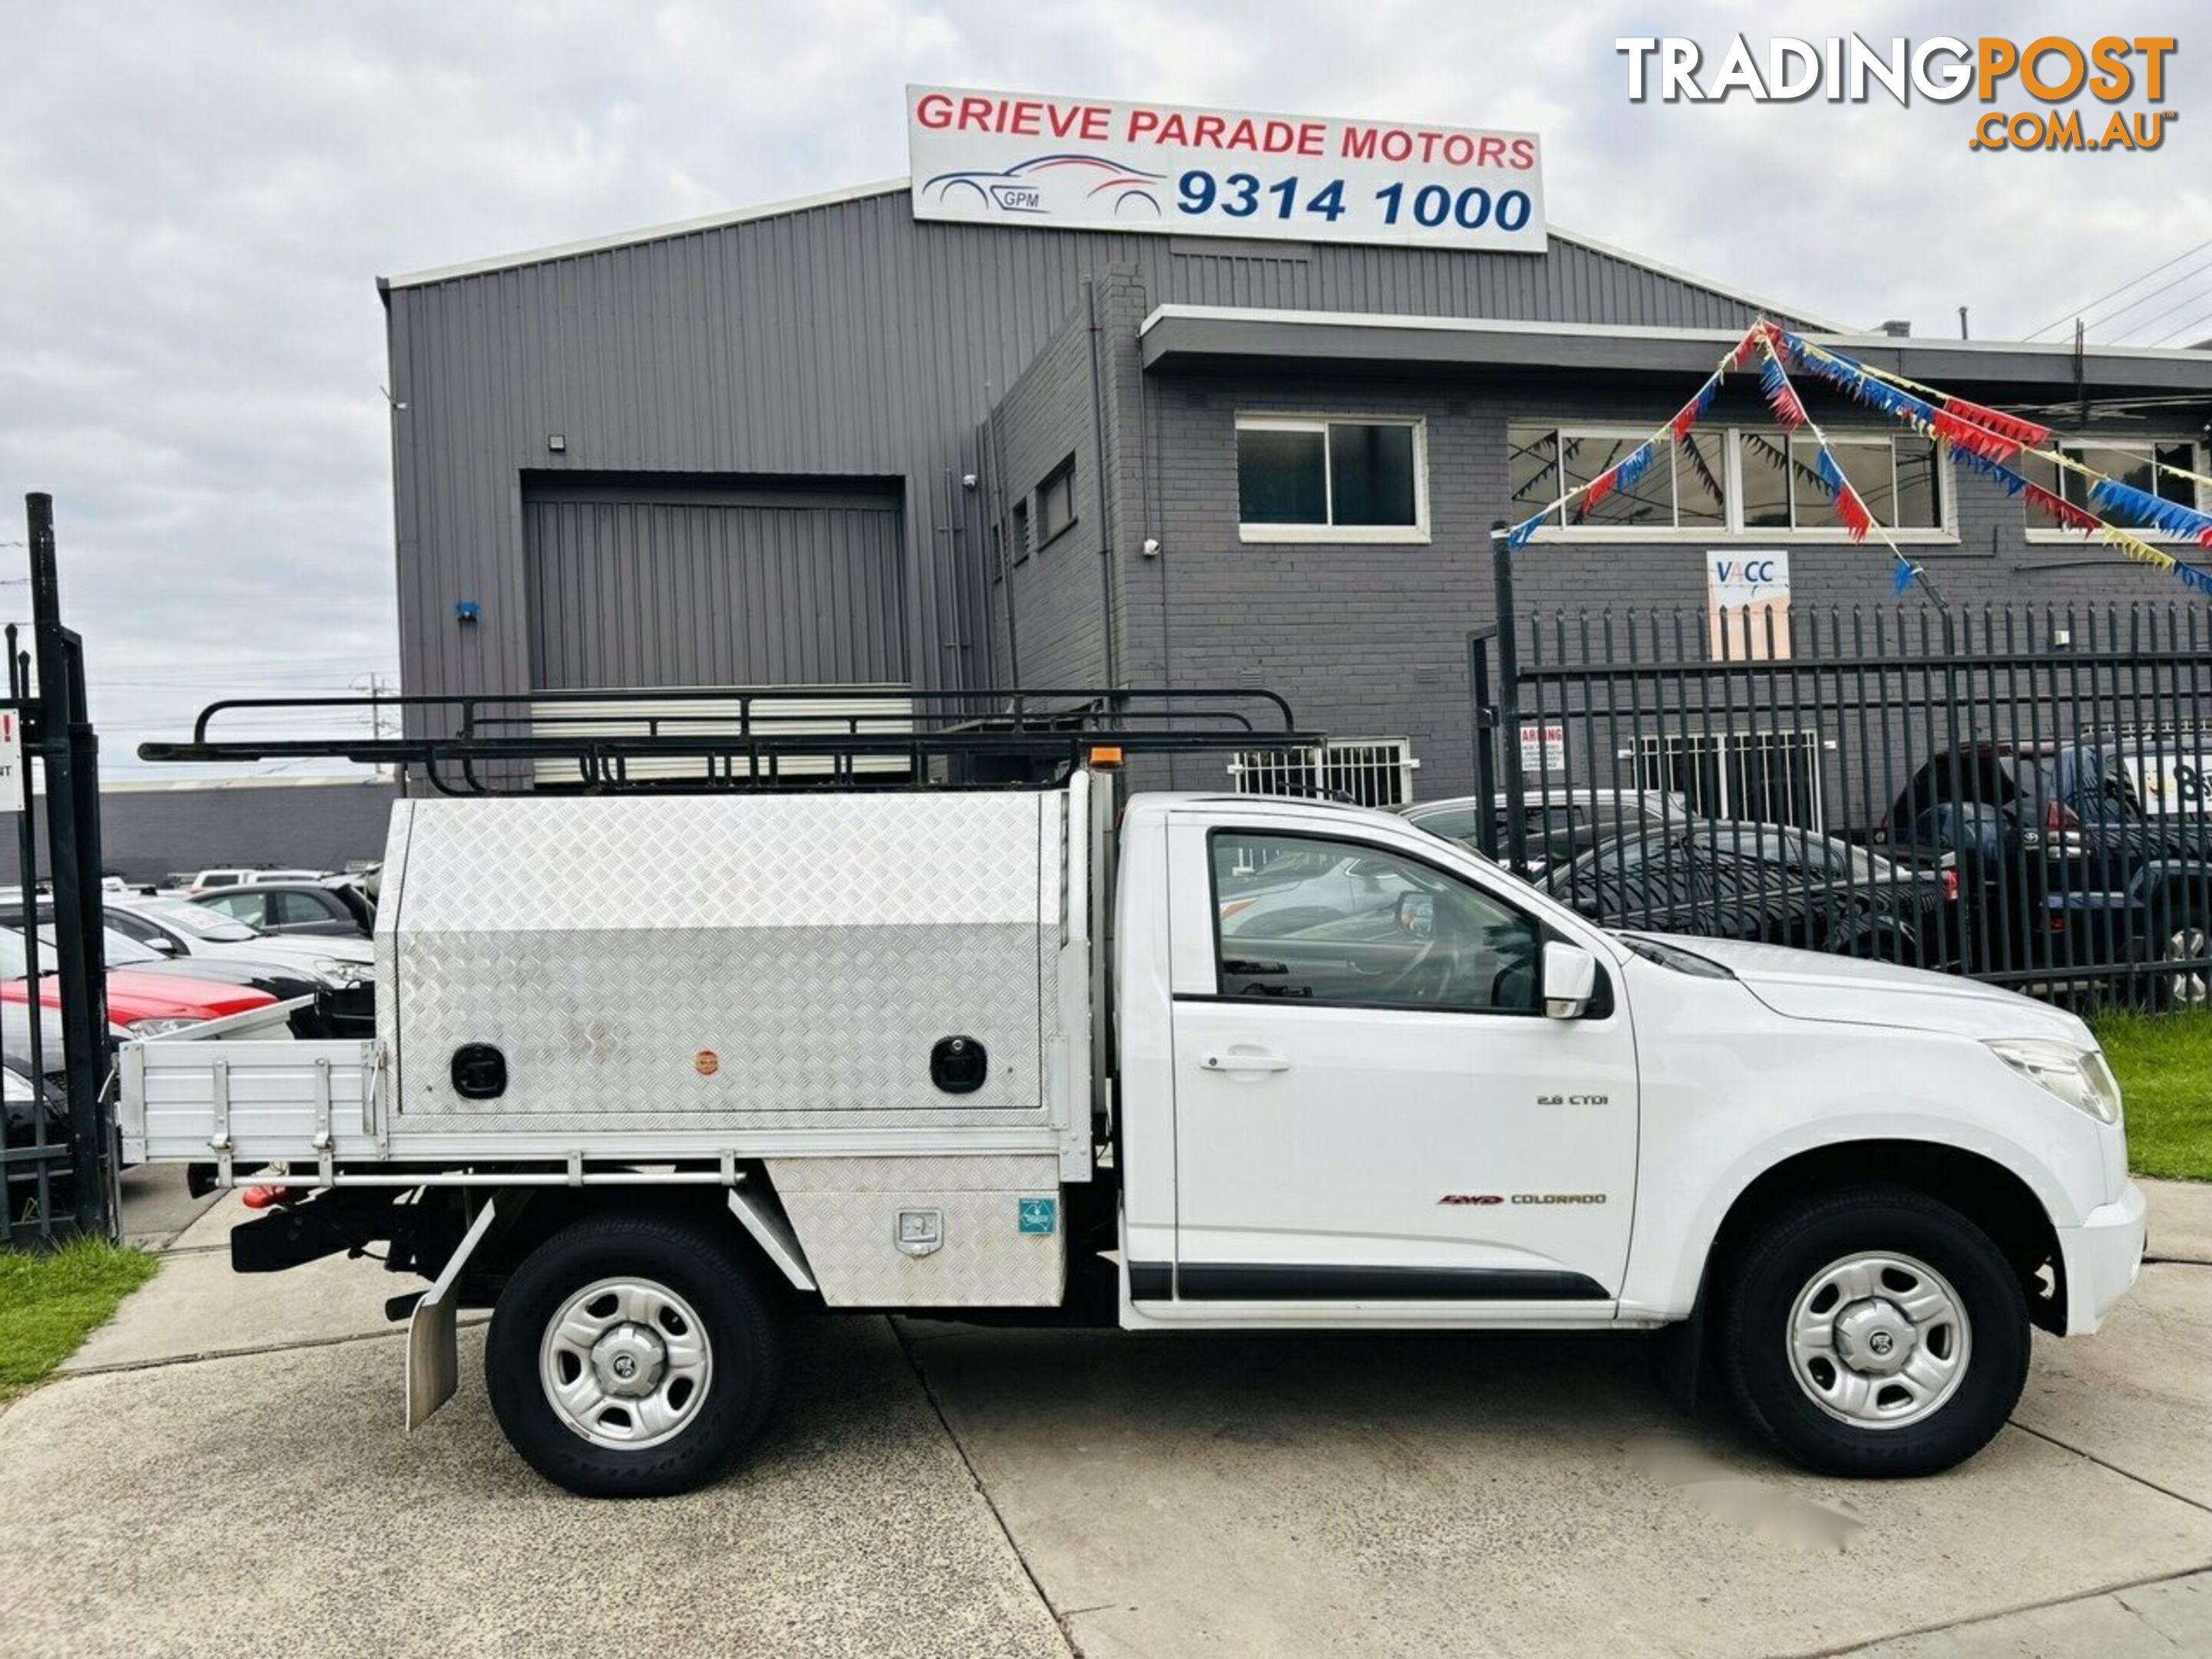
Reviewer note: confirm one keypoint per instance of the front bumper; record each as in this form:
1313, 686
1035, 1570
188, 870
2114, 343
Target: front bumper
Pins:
2102, 1257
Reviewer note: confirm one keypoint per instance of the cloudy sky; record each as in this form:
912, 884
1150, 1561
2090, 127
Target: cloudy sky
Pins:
197, 199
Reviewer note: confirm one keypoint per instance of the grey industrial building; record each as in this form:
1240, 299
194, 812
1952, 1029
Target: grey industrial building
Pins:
825, 443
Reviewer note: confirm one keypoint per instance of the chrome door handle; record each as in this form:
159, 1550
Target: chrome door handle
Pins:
1245, 1063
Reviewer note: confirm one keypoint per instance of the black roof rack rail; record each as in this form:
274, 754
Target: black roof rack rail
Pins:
701, 738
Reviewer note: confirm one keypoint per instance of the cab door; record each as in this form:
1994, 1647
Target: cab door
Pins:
1371, 1110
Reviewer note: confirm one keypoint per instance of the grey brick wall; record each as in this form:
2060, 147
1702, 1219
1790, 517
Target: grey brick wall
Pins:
1370, 641
1056, 589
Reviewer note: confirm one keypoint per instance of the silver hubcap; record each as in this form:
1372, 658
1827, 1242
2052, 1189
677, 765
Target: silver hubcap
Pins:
2193, 985
1879, 1340
626, 1363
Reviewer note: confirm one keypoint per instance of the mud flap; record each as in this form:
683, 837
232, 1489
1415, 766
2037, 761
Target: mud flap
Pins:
434, 1362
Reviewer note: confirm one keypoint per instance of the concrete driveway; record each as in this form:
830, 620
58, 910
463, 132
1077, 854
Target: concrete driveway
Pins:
221, 1471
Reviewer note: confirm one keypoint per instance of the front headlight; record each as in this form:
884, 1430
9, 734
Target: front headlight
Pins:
2079, 1076
161, 1027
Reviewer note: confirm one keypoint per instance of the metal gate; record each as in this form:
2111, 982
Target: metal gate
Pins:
2017, 794
57, 1161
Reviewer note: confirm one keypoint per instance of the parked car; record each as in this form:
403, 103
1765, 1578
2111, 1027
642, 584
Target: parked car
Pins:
285, 980
1765, 882
24, 1101
211, 880
139, 1004
336, 908
1557, 827
180, 928
2063, 871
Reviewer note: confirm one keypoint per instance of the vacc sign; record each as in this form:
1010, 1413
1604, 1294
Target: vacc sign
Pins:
1091, 164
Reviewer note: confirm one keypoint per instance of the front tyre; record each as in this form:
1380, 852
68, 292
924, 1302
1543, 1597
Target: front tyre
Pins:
1875, 1332
632, 1356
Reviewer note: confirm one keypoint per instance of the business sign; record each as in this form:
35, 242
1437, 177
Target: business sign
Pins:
1748, 606
1005, 158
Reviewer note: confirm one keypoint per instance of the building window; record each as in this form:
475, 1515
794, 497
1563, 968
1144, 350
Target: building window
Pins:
1752, 777
1723, 480
1056, 499
1369, 771
1020, 533
1308, 479
2130, 463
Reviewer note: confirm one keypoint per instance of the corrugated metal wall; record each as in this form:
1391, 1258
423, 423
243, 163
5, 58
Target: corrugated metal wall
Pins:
639, 587
843, 340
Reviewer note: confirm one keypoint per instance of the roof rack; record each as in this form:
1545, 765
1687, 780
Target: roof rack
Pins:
714, 738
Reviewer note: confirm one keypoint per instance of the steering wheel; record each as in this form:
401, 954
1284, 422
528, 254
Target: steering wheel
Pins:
1427, 977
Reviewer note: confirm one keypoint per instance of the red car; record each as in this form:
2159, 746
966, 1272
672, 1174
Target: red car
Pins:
138, 1004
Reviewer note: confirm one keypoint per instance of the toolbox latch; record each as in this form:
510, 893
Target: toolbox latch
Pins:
479, 1072
958, 1065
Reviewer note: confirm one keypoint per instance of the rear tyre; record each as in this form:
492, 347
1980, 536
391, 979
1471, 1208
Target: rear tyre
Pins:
1875, 1332
632, 1356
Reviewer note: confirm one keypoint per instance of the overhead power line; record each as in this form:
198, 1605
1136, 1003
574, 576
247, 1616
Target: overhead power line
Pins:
2073, 312
2182, 304
2195, 322
2144, 299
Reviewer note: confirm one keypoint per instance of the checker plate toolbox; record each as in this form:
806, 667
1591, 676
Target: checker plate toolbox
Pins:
860, 966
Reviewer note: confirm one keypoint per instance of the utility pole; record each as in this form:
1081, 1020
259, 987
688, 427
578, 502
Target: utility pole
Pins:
378, 685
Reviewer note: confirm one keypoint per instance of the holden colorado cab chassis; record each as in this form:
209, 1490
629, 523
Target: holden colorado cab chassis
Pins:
653, 1072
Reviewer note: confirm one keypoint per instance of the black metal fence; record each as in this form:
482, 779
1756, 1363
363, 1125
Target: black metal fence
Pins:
58, 1145
2016, 794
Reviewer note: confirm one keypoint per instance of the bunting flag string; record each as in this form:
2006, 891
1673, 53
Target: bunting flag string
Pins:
1628, 471
2072, 515
2053, 506
1979, 433
1694, 410
2155, 511
1850, 507
1781, 396
2027, 433
1984, 440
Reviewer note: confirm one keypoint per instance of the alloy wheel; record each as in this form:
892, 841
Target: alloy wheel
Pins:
2190, 986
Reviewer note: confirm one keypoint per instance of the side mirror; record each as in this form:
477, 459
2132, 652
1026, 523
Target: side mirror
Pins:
162, 945
1570, 980
1416, 914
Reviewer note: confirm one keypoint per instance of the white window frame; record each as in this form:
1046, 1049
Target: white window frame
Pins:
1413, 534
1384, 754
2050, 533
1801, 746
1734, 529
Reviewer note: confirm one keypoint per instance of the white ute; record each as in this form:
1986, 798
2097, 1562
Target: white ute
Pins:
655, 1071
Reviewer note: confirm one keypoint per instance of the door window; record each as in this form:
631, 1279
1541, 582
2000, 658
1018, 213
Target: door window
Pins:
241, 904
1312, 920
298, 909
1453, 823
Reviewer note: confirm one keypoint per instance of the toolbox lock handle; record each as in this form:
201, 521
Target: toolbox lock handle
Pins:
958, 1065
479, 1072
